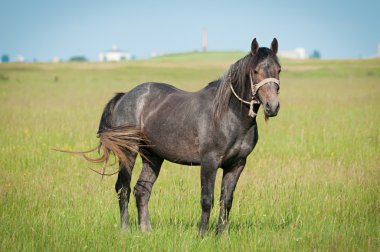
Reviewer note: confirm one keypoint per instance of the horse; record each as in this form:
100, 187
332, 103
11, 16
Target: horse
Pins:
213, 128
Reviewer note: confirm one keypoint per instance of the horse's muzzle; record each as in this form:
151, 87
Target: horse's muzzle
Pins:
271, 108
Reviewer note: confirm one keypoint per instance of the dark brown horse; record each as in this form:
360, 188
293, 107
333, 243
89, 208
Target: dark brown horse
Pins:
214, 128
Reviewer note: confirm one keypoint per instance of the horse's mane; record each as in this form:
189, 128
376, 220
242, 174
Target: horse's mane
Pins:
236, 75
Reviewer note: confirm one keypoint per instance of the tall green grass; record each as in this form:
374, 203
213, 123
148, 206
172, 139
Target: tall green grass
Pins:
312, 183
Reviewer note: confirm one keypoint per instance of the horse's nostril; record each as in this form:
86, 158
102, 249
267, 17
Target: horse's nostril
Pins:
267, 108
271, 108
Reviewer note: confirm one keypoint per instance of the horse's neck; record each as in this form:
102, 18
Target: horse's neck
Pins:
241, 110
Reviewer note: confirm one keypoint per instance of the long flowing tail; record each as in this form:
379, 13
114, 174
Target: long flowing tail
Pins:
118, 140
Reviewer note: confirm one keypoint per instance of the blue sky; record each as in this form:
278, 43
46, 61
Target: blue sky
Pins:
43, 29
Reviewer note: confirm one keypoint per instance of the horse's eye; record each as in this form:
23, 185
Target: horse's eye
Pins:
255, 72
279, 71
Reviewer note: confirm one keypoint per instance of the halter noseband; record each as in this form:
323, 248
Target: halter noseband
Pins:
254, 89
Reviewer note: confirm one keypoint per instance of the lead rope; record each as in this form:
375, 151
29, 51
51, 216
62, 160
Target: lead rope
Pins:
254, 89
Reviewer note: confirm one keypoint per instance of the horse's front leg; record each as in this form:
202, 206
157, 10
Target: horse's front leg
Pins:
209, 167
230, 178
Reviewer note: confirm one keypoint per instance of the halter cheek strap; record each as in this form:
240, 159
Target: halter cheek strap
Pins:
254, 89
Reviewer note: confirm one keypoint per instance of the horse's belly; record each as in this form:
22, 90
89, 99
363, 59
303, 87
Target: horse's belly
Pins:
170, 126
173, 143
176, 152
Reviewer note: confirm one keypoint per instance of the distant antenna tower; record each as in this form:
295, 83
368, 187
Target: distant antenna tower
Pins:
204, 40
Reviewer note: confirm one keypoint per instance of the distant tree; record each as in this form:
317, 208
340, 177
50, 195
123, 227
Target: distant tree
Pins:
5, 58
315, 55
78, 59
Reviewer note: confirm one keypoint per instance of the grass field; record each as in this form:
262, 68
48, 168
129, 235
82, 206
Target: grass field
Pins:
312, 183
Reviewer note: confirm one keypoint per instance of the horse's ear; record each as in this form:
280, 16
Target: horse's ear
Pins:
254, 46
274, 46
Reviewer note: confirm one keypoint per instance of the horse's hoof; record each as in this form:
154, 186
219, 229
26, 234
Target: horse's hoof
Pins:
124, 228
222, 228
202, 233
146, 228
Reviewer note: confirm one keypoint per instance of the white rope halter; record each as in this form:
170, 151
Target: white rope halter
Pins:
254, 88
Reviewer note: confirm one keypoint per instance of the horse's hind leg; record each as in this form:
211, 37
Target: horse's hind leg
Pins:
150, 171
123, 189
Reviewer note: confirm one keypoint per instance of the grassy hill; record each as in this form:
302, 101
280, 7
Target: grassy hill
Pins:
312, 183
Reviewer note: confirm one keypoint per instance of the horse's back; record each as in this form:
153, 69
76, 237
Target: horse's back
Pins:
129, 108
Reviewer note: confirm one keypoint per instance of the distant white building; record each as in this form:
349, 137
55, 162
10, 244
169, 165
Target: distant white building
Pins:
298, 53
19, 58
56, 59
114, 55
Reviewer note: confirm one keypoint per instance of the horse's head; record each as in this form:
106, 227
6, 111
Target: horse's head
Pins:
264, 74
